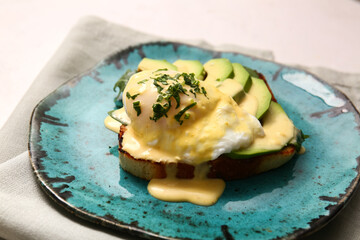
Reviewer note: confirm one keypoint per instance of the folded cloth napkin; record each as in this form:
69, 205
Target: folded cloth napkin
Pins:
27, 213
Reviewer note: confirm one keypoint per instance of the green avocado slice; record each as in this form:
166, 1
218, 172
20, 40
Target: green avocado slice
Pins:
242, 76
232, 88
261, 92
120, 116
279, 131
191, 66
155, 64
218, 69
252, 72
249, 153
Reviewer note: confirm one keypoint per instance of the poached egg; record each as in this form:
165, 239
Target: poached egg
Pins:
174, 119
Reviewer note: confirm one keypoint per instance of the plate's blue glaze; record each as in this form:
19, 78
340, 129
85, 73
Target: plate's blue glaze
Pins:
71, 153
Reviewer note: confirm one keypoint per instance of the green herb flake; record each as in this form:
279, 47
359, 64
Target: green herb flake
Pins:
159, 98
161, 69
173, 91
142, 81
157, 85
163, 79
178, 115
160, 110
128, 95
137, 108
190, 80
186, 115
203, 91
192, 91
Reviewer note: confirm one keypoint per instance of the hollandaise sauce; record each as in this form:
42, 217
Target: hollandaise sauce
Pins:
199, 190
167, 114
112, 124
172, 117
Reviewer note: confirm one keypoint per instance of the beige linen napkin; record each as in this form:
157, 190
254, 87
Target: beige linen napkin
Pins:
26, 212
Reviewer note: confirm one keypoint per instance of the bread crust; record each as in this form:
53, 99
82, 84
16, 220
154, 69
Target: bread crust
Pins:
223, 167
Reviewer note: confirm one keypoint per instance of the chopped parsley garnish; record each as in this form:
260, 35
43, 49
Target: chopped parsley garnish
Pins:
190, 80
136, 106
193, 83
178, 116
157, 85
160, 98
173, 92
143, 81
163, 79
161, 69
160, 110
128, 95
192, 91
203, 91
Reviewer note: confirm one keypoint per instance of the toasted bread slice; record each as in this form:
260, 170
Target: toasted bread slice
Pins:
222, 167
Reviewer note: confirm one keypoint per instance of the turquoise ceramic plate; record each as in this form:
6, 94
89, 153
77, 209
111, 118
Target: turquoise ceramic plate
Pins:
72, 155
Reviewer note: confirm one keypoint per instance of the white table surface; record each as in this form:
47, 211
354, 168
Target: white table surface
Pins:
313, 33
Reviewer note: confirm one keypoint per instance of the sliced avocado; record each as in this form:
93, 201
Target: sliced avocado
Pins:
242, 76
261, 92
120, 116
155, 64
249, 103
232, 88
191, 66
279, 131
218, 69
249, 153
252, 72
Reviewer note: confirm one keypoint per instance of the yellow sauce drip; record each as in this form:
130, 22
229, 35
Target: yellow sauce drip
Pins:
112, 124
200, 190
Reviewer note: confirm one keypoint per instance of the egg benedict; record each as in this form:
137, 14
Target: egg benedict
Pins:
187, 135
176, 118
